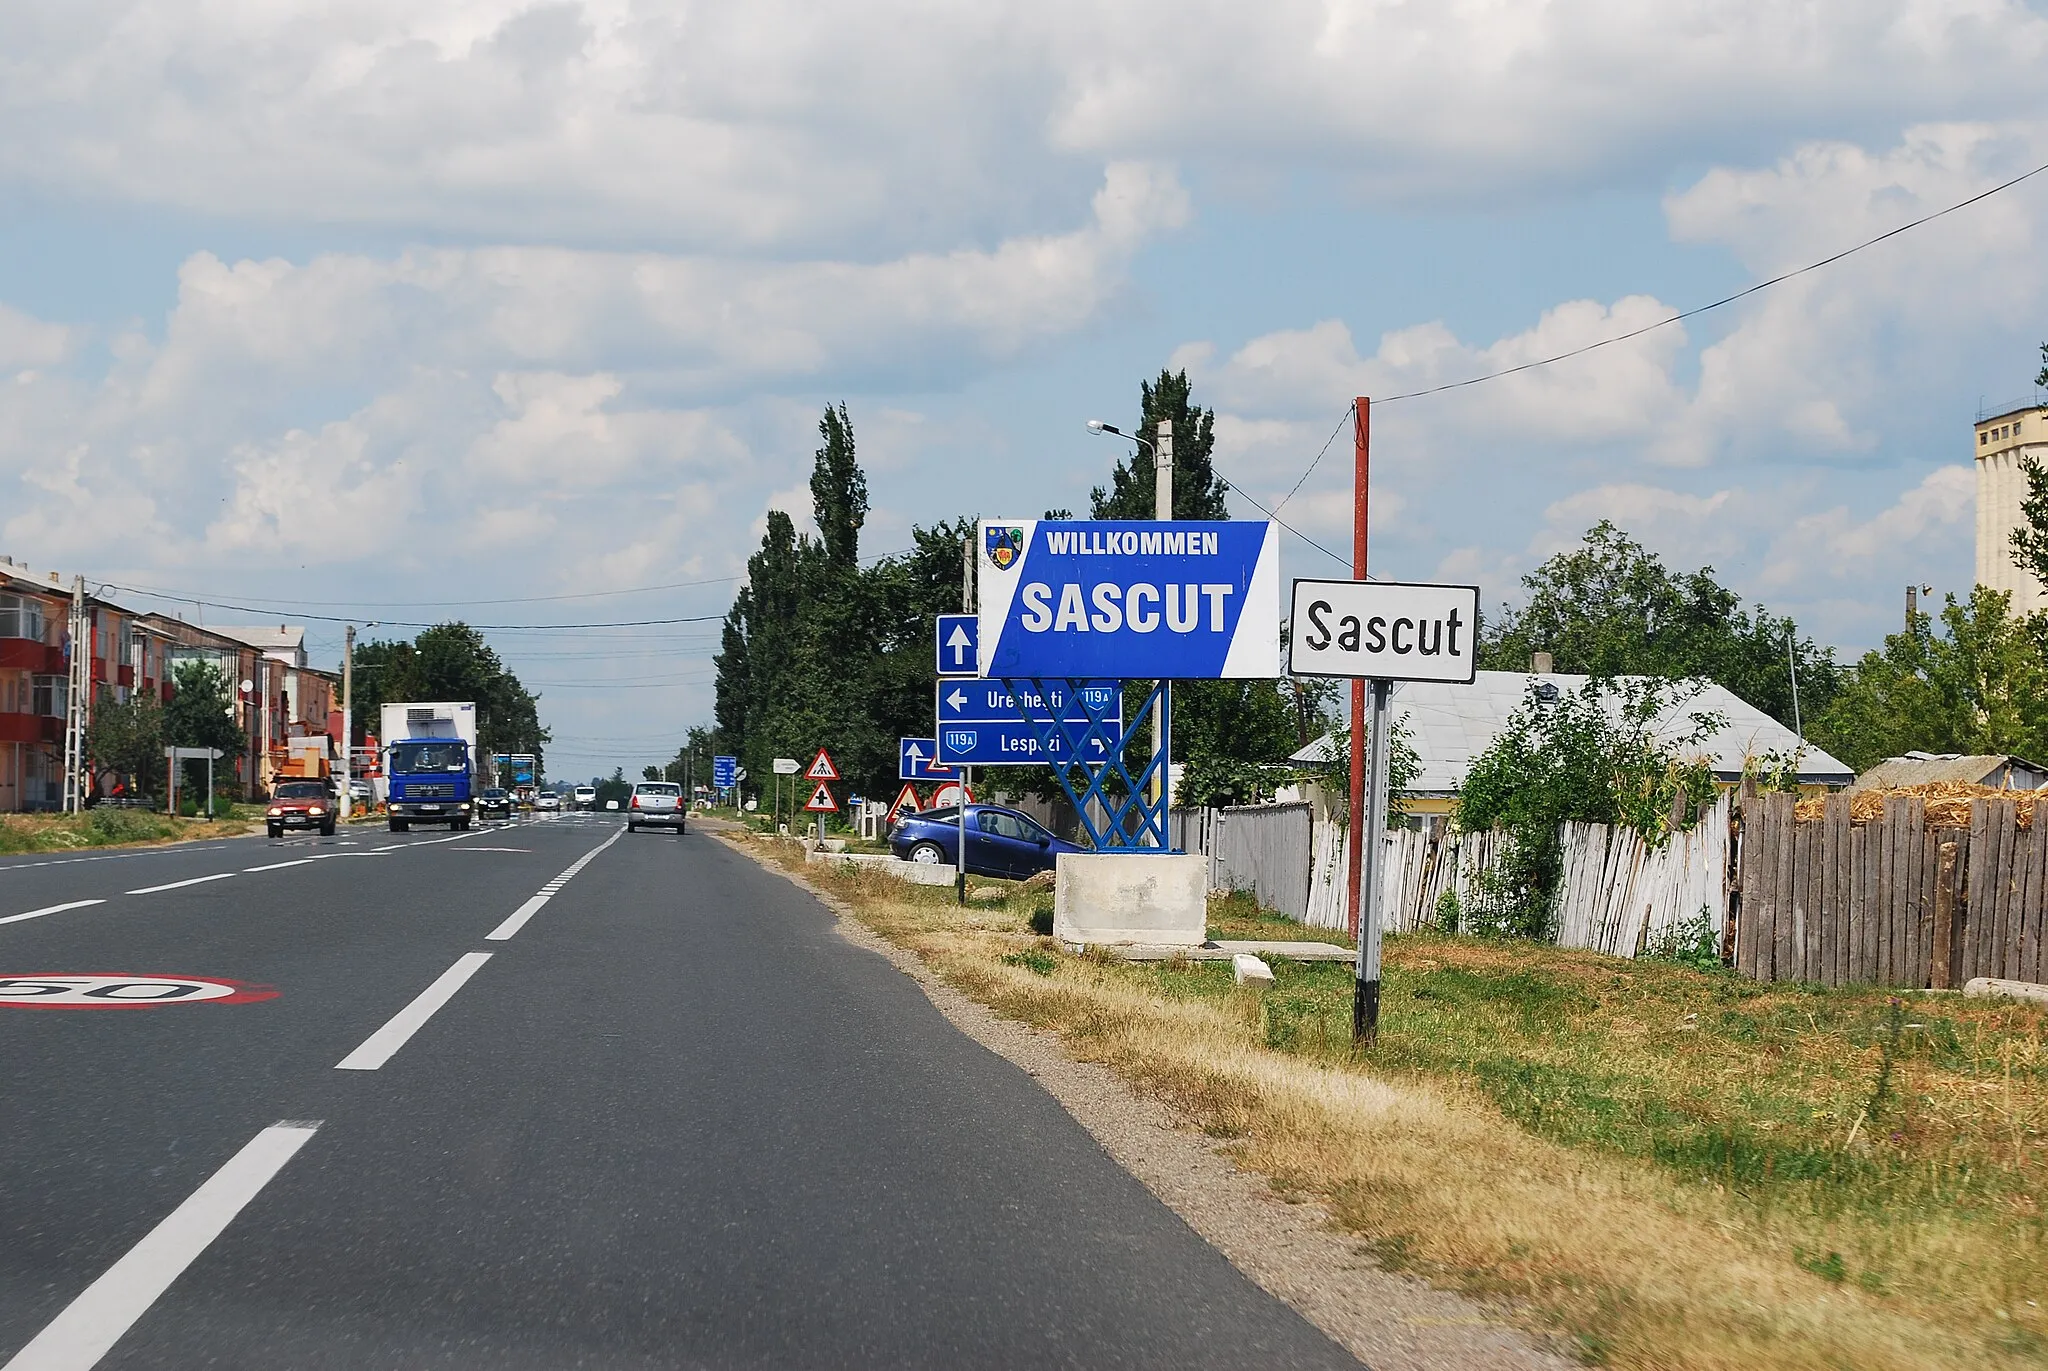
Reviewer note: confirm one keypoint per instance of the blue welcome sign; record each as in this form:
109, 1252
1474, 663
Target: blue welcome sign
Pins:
1179, 599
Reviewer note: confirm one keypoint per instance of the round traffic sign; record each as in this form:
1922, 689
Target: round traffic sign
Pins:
122, 990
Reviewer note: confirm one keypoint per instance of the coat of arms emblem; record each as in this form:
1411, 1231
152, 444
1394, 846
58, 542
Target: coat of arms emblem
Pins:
1005, 544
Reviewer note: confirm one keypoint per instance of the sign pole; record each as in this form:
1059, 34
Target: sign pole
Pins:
1365, 999
1361, 443
960, 789
1162, 716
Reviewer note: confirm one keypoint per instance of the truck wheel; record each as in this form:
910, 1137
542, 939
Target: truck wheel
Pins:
458, 825
401, 825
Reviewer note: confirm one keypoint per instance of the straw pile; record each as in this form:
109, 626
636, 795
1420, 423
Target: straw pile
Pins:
1948, 803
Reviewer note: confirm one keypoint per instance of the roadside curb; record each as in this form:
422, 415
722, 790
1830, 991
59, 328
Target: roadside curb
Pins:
1293, 1251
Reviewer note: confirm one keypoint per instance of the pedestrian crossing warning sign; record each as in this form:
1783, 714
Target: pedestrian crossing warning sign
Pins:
821, 768
821, 800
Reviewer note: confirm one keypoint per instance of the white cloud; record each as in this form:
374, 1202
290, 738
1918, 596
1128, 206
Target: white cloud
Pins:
1833, 545
896, 124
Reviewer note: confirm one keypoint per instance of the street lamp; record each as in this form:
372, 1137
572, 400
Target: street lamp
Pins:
1096, 426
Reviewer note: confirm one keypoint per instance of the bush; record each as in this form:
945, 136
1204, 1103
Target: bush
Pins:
125, 825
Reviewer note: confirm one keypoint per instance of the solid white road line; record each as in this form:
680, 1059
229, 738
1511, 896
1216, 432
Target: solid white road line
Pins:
91, 1324
179, 885
49, 909
518, 919
279, 866
379, 1047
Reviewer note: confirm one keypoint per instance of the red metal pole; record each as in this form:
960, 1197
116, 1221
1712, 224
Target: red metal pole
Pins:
1361, 484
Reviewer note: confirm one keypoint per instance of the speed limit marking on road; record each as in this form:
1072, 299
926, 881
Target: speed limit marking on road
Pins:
119, 990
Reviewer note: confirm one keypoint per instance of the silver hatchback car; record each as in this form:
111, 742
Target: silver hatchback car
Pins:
655, 804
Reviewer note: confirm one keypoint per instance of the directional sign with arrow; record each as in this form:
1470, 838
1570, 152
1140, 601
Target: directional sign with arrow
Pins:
917, 759
1016, 702
957, 639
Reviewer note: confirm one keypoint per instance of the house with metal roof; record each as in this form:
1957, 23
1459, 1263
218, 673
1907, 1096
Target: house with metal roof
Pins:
1998, 770
1449, 725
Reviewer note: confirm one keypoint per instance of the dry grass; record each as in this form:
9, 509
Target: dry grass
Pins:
1948, 803
1663, 1167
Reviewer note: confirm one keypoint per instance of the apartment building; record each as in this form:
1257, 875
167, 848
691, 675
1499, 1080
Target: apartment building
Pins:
288, 709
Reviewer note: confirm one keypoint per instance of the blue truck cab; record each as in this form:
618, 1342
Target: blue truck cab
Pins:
430, 783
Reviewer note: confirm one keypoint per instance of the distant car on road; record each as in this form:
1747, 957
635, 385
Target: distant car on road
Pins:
586, 797
1000, 842
656, 804
494, 802
547, 799
299, 804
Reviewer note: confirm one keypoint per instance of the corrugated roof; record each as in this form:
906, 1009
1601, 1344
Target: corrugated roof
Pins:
1984, 769
1451, 724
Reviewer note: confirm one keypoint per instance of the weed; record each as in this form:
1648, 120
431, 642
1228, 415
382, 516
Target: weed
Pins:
1692, 943
1041, 919
1035, 960
1830, 1268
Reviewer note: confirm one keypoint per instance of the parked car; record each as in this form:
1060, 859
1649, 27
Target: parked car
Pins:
1000, 842
299, 804
586, 797
656, 804
494, 802
547, 799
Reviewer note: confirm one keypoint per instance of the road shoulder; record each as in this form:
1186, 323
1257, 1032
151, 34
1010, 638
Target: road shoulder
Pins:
1291, 1250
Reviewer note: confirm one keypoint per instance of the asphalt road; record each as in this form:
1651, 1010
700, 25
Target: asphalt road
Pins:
665, 1118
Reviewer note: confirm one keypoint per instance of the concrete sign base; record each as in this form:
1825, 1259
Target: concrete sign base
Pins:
1102, 898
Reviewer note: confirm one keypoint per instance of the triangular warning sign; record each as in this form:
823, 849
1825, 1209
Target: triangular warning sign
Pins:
821, 800
821, 768
907, 802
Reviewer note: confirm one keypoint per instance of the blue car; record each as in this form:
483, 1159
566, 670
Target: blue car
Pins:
1000, 842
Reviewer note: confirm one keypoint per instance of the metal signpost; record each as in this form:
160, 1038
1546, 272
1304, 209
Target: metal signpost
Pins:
174, 755
784, 766
1380, 632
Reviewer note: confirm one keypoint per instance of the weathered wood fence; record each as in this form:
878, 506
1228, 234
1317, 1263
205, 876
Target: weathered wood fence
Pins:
1889, 902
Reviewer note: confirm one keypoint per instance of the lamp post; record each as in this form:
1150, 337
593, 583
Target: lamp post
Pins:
1162, 510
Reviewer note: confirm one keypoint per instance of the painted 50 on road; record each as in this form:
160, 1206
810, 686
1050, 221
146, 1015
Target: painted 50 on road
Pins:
1183, 600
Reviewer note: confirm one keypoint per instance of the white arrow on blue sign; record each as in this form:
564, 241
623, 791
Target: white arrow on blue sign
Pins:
959, 637
966, 702
917, 759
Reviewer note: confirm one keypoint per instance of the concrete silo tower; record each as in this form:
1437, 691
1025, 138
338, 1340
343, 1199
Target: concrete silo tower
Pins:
2003, 441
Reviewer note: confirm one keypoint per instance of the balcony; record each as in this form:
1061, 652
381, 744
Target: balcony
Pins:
26, 654
30, 728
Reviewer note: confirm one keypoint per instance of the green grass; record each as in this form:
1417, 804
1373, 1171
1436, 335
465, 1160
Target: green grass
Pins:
97, 828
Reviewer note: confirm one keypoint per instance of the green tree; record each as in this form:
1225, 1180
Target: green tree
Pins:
1975, 682
450, 662
692, 763
839, 491
1610, 607
650, 773
2030, 539
1609, 753
126, 738
201, 713
617, 787
1198, 492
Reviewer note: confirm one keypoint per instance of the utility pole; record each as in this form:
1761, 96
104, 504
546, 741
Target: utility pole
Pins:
78, 698
1367, 821
348, 718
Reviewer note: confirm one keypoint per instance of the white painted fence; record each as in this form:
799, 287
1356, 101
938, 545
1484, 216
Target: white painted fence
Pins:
1618, 895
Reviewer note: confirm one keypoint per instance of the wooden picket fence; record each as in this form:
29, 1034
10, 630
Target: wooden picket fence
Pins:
1889, 902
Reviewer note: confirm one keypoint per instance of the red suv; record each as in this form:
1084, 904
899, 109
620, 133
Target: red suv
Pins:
300, 804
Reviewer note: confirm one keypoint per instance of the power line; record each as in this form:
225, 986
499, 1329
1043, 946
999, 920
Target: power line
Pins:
1649, 328
1349, 410
402, 623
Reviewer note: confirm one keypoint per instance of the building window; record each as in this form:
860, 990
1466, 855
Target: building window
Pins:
48, 697
21, 617
1984, 438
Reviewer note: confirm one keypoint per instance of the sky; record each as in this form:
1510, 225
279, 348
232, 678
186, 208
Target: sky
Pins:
388, 311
